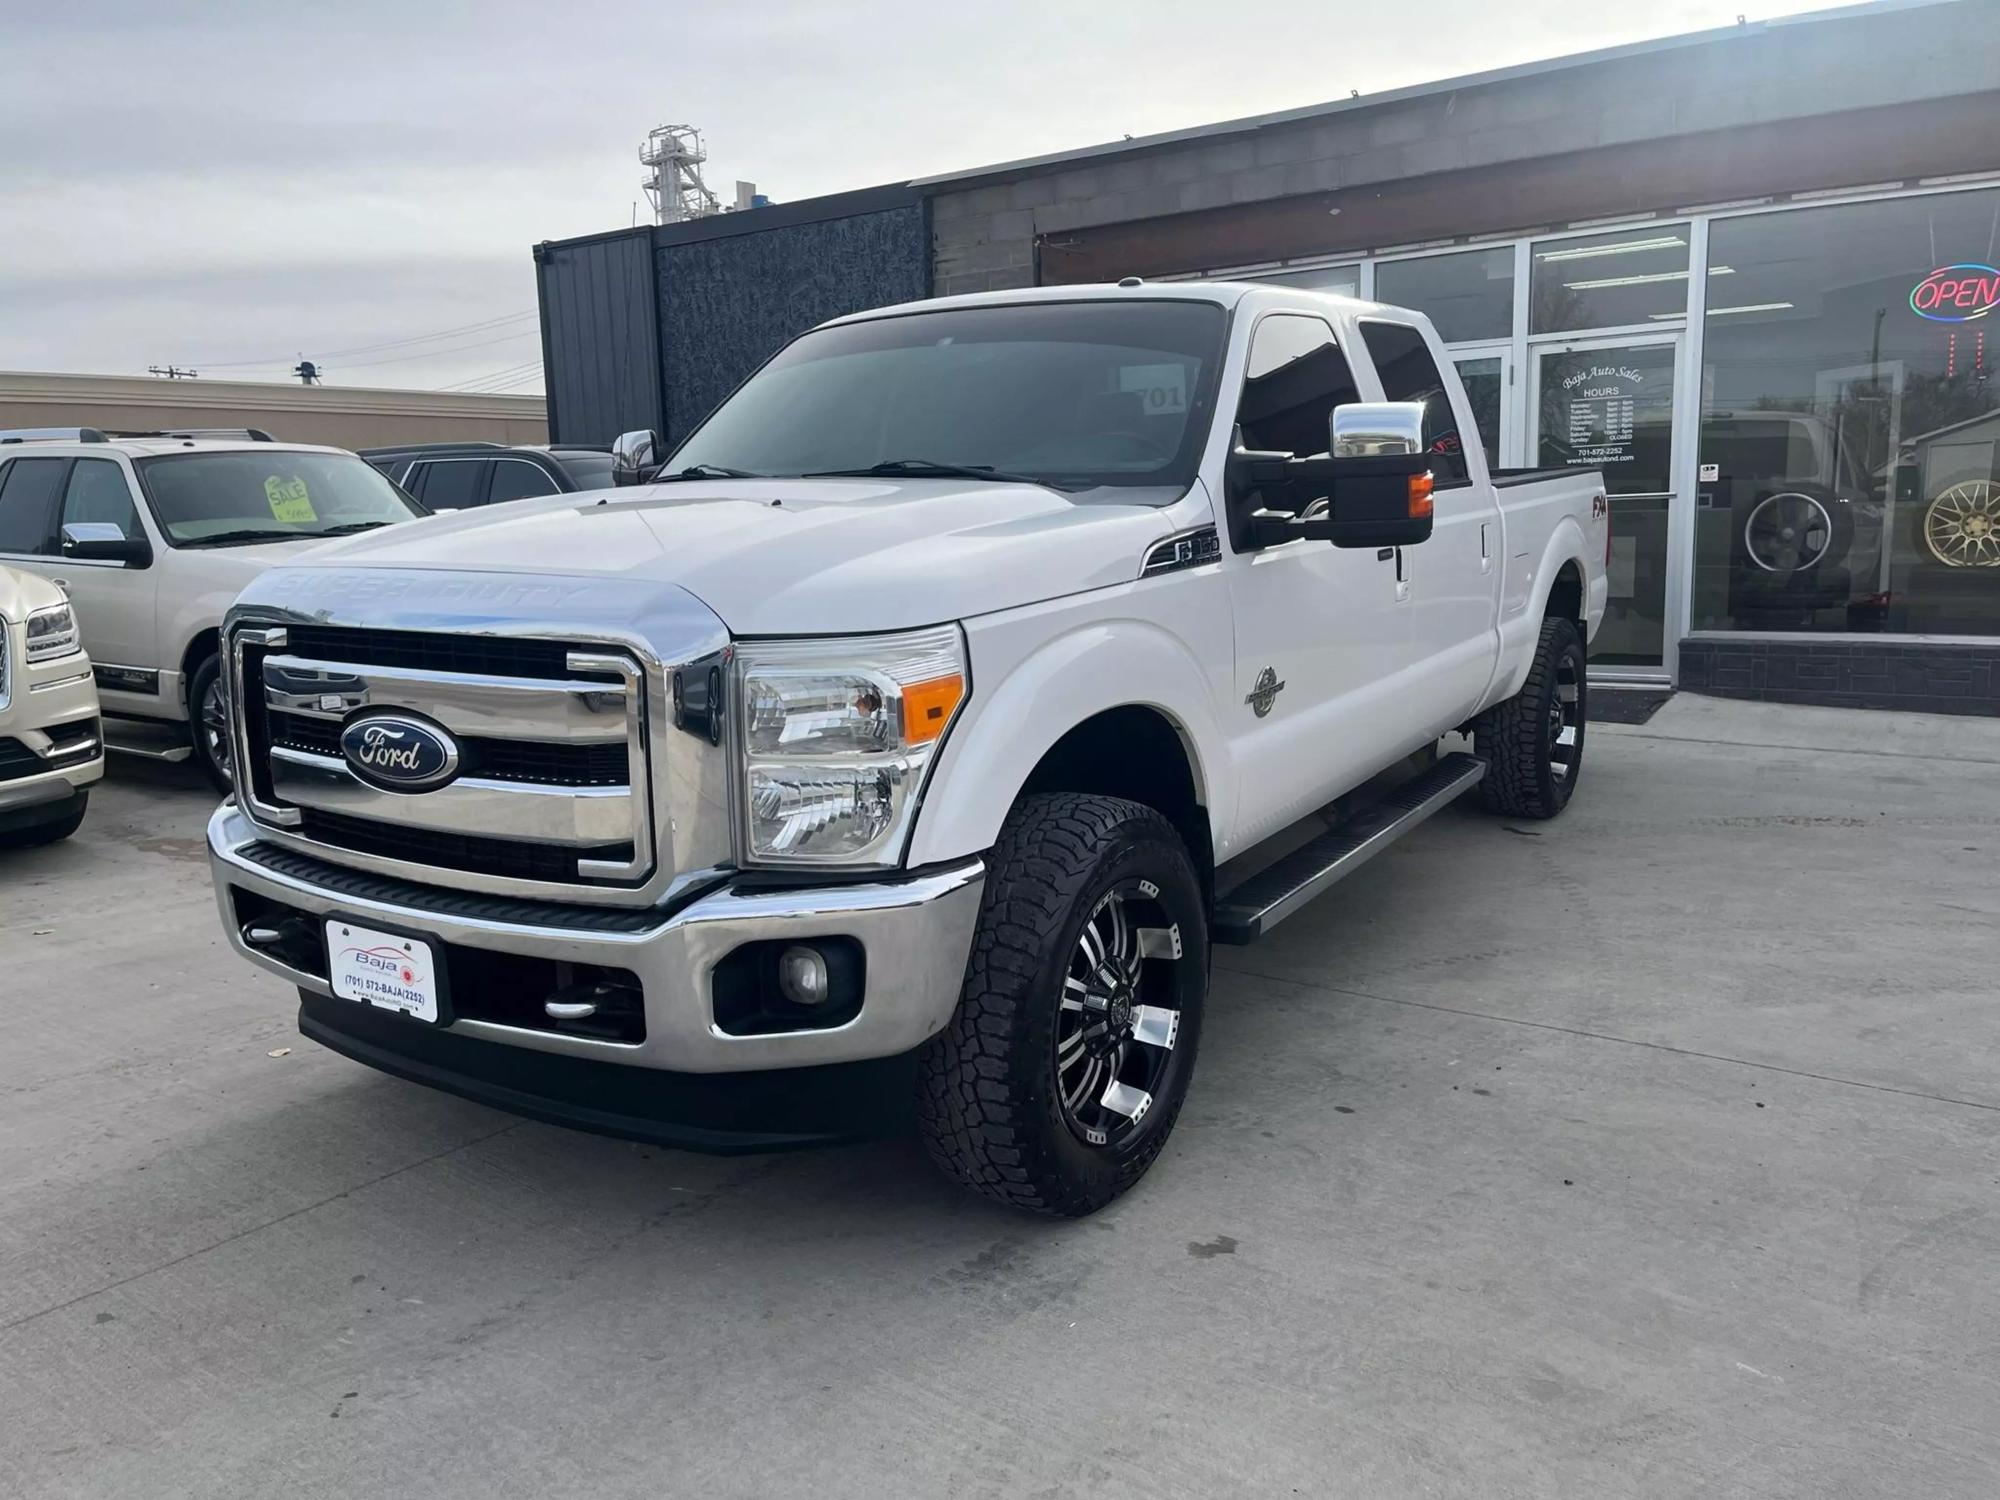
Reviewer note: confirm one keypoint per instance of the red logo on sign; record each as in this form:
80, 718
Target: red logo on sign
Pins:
1956, 294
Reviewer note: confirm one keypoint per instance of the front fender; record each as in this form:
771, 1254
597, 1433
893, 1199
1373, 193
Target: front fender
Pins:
178, 626
1024, 701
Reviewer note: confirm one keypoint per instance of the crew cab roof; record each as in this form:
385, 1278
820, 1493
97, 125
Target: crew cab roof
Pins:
1225, 294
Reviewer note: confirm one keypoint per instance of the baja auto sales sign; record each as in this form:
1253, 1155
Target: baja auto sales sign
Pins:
1956, 294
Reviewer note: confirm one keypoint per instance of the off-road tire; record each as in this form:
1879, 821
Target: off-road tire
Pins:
52, 832
1515, 737
205, 676
987, 1100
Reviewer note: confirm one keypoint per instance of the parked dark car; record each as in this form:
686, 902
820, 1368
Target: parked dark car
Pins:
459, 476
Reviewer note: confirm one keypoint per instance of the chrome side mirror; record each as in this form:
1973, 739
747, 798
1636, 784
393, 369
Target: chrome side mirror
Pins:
634, 456
104, 541
1376, 429
79, 532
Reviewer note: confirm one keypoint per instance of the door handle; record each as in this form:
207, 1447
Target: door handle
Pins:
1402, 576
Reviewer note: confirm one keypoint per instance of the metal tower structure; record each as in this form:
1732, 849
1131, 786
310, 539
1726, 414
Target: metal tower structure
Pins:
674, 155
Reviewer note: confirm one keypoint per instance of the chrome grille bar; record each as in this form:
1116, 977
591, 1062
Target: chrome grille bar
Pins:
518, 708
635, 757
581, 816
235, 682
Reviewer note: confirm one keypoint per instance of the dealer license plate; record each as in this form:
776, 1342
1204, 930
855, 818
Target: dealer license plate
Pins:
383, 969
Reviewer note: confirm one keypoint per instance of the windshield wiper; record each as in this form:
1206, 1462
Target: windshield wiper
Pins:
349, 528
705, 471
248, 534
924, 468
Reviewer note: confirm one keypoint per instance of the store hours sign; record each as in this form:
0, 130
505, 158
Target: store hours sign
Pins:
1610, 409
1600, 407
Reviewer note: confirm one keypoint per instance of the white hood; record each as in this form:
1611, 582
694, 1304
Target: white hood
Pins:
21, 593
796, 556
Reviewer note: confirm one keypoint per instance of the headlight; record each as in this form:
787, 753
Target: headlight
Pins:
52, 633
838, 736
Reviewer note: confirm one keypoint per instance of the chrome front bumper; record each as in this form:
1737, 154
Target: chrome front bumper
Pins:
49, 697
915, 933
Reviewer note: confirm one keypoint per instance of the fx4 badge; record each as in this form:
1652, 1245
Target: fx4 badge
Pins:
1265, 693
1599, 507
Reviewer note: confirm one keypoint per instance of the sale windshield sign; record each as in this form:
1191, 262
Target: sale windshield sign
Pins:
1956, 294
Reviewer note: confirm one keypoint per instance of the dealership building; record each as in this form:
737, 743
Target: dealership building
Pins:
1747, 272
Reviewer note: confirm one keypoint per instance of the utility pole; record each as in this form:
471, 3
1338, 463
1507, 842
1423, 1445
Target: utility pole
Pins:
307, 371
172, 372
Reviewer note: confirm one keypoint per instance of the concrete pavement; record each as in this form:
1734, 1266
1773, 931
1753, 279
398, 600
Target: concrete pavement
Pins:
1648, 1152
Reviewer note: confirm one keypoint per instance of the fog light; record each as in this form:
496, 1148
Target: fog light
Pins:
802, 976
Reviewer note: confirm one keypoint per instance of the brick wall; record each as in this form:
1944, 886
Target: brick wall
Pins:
1920, 676
985, 231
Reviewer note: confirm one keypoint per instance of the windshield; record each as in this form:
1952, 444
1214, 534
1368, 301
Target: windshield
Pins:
590, 471
250, 495
1074, 394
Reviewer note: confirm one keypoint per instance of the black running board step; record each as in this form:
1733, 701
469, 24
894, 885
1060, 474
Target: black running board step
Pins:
1264, 900
149, 739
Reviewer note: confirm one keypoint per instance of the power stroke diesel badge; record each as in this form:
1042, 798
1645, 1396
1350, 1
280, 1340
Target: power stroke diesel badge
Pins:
399, 753
1264, 695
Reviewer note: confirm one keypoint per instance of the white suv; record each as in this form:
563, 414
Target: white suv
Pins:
152, 536
50, 749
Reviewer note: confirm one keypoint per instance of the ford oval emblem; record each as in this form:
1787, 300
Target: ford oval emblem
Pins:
399, 753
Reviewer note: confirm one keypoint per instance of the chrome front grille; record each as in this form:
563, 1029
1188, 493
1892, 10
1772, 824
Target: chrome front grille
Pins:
554, 785
503, 723
579, 776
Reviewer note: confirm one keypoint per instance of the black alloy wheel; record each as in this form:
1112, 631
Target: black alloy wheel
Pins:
1119, 1015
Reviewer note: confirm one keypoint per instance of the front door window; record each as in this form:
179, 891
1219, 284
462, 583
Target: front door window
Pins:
1610, 406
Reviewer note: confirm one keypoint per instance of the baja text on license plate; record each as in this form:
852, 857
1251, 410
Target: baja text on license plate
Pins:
382, 969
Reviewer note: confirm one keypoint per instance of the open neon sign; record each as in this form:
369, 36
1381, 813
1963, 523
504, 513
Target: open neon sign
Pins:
1956, 294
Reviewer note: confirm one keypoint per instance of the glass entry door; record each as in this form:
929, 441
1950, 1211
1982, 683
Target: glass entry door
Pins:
1609, 403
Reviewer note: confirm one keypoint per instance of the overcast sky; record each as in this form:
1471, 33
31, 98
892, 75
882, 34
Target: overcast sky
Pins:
232, 183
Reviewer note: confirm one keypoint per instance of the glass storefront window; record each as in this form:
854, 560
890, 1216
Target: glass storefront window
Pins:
1342, 281
1468, 295
1632, 277
1849, 456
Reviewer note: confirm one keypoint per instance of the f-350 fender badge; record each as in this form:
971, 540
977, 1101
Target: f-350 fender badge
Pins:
1265, 694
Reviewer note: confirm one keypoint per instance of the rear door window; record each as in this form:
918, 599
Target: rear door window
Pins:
448, 484
517, 479
28, 489
1408, 372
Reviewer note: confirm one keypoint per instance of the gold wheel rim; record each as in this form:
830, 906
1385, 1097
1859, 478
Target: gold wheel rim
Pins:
1962, 525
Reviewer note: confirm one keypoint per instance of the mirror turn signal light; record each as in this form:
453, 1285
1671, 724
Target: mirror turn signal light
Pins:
1420, 496
928, 707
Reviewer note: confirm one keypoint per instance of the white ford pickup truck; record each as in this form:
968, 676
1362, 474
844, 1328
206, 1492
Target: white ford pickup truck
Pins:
903, 747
